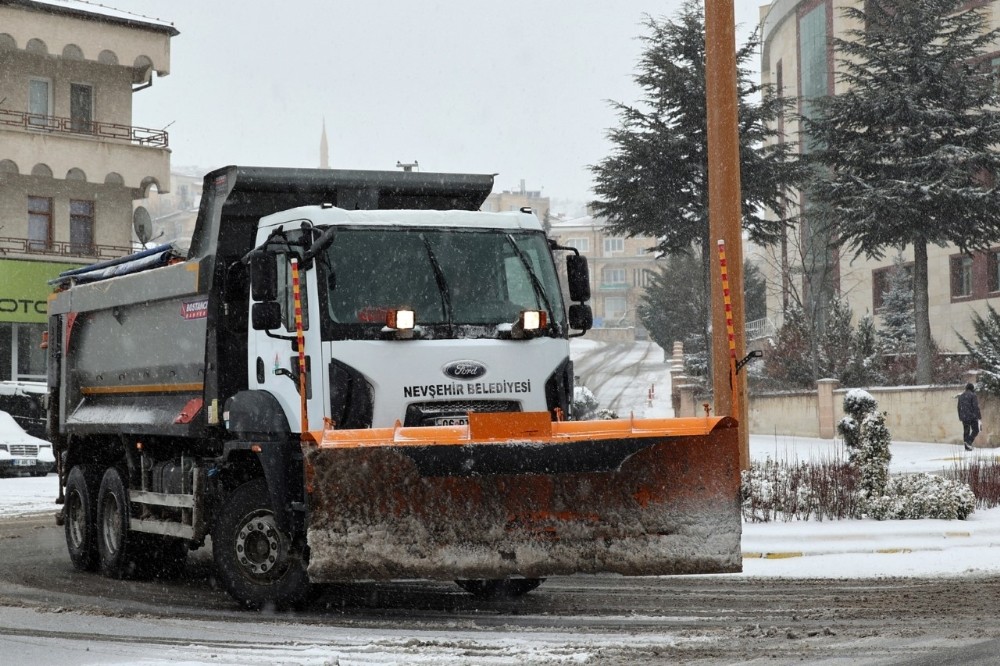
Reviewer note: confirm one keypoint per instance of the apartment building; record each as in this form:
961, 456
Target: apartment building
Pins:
516, 199
797, 57
620, 268
71, 160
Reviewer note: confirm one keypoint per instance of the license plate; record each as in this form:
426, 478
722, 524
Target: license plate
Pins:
23, 462
451, 420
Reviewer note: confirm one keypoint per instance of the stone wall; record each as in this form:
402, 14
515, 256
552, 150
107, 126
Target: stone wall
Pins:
913, 413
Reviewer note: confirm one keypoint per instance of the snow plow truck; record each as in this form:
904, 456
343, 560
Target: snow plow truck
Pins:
359, 375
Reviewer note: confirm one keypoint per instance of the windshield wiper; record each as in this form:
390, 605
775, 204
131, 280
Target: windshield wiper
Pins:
535, 282
442, 284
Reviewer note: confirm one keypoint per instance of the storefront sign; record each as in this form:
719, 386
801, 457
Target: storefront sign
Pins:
24, 289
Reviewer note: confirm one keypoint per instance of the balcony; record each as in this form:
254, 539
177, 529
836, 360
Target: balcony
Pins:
140, 136
53, 249
104, 152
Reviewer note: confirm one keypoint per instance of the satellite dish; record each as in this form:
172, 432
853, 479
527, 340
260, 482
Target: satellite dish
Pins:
142, 224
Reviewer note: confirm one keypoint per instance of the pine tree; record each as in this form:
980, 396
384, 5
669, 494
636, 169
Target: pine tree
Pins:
655, 181
790, 359
866, 364
898, 330
674, 307
986, 349
906, 156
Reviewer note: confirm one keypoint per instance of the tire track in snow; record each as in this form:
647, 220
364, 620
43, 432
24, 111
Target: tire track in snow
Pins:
609, 372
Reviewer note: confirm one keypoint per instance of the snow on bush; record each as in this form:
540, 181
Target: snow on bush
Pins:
859, 488
906, 497
921, 496
774, 490
867, 440
585, 403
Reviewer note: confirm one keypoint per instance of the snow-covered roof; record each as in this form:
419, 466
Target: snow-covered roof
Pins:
85, 9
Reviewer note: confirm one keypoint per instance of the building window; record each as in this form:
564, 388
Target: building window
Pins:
613, 276
581, 244
993, 270
81, 107
28, 362
39, 102
614, 308
39, 224
614, 245
961, 276
81, 226
641, 277
882, 281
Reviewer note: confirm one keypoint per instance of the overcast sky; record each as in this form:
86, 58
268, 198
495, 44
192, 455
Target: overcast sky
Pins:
518, 88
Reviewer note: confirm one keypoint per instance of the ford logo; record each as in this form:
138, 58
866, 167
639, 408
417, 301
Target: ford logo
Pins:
464, 370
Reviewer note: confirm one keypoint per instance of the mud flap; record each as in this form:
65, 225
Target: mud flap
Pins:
513, 495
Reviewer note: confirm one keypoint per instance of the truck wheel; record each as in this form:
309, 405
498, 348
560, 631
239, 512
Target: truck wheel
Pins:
252, 556
113, 541
499, 588
80, 511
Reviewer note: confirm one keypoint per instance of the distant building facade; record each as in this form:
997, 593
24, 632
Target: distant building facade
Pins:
798, 59
620, 268
522, 197
71, 161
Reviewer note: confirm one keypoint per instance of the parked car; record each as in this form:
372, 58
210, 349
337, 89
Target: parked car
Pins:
25, 401
21, 453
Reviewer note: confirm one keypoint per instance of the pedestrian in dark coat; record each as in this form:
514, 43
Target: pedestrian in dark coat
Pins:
968, 414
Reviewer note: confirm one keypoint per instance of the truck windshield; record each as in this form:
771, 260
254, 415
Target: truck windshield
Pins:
485, 281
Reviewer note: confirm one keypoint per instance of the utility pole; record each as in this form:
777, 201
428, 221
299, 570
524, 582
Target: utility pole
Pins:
724, 213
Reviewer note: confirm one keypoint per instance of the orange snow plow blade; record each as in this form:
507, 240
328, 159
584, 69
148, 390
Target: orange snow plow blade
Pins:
517, 494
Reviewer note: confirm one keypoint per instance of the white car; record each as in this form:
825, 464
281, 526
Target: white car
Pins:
21, 453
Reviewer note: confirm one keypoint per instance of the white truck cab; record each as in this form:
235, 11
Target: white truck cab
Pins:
489, 329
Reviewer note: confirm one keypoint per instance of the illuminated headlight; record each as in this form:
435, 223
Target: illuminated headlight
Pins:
532, 320
401, 319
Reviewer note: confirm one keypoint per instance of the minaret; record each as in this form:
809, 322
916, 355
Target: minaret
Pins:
324, 149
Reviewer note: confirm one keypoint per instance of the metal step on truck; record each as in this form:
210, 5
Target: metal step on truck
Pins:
358, 375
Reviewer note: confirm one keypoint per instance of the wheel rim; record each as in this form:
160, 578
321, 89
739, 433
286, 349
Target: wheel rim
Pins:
111, 525
76, 518
259, 546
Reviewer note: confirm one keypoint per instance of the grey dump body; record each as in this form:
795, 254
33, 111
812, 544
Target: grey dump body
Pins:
158, 352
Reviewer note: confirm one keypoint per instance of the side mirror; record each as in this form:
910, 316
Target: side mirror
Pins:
578, 278
581, 317
264, 276
265, 316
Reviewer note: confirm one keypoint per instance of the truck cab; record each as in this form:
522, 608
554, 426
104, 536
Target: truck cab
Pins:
408, 316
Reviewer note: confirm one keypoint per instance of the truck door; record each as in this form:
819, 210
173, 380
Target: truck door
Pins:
275, 363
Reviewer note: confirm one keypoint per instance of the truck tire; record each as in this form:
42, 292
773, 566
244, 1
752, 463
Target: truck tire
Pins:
80, 512
252, 556
113, 540
499, 588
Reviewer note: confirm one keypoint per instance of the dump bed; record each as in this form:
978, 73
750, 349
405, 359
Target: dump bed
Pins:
156, 351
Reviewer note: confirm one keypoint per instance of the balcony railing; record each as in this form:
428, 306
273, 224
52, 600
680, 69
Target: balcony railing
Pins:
760, 328
141, 136
62, 249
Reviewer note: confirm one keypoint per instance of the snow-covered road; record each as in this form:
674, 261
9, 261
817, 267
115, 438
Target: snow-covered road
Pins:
846, 591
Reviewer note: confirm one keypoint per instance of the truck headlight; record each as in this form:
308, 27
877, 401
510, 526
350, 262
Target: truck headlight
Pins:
532, 320
402, 319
